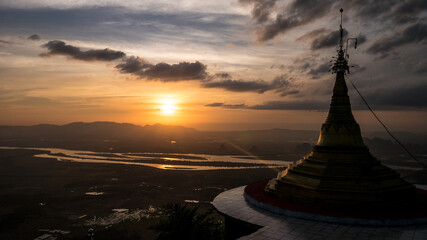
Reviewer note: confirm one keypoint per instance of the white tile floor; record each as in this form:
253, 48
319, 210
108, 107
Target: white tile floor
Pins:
232, 203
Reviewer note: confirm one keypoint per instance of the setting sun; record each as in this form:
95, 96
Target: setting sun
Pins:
168, 107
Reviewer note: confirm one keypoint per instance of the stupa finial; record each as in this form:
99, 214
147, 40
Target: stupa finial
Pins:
341, 65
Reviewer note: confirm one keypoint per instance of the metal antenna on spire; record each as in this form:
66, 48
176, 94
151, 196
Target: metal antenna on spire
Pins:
341, 64
341, 30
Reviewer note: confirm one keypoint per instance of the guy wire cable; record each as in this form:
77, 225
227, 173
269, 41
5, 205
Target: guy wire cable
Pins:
379, 120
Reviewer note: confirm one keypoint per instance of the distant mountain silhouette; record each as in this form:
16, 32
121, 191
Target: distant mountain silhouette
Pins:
93, 131
120, 131
111, 136
407, 137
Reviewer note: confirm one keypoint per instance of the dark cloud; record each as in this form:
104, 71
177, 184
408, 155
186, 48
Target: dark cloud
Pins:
163, 71
298, 13
68, 22
217, 104
278, 105
222, 75
5, 42
261, 8
406, 11
289, 92
34, 37
291, 105
170, 72
322, 38
57, 47
176, 72
312, 34
259, 86
361, 38
414, 96
304, 63
386, 99
420, 67
370, 9
330, 39
358, 68
398, 11
223, 105
285, 87
133, 65
278, 66
280, 84
301, 12
412, 34
307, 66
321, 69
304, 66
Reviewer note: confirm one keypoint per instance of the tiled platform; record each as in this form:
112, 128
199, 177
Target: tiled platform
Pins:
233, 204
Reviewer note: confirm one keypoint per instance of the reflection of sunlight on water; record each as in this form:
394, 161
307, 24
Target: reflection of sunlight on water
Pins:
166, 166
187, 161
179, 167
249, 154
94, 193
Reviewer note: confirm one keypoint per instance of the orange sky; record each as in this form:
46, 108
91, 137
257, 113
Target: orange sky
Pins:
243, 82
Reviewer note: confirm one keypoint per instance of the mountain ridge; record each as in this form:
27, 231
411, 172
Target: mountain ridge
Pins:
108, 136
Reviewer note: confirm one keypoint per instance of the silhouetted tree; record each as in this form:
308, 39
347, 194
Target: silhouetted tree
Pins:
187, 223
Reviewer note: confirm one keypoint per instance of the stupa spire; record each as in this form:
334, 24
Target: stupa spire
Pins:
340, 128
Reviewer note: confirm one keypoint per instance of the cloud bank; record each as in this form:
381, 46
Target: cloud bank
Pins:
398, 98
57, 47
218, 104
272, 20
281, 84
414, 33
164, 72
277, 105
34, 37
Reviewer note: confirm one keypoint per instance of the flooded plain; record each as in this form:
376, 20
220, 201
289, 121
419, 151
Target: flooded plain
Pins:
165, 161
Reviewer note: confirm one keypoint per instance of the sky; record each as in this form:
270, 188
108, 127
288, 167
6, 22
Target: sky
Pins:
210, 65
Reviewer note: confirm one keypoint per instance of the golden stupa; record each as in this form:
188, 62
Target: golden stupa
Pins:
340, 172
